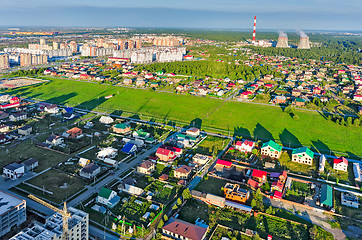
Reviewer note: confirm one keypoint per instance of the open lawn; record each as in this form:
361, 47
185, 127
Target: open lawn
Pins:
211, 185
211, 145
52, 180
28, 150
264, 122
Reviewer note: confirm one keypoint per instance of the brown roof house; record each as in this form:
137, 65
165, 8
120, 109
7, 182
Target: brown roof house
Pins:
147, 167
182, 172
178, 229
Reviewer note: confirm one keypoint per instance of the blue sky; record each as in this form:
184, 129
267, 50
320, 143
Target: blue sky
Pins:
277, 14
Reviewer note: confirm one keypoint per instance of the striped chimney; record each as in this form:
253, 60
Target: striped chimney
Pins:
253, 40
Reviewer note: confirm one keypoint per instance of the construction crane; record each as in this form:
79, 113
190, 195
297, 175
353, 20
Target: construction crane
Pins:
64, 212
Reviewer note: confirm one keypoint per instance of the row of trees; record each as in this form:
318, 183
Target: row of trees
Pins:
210, 68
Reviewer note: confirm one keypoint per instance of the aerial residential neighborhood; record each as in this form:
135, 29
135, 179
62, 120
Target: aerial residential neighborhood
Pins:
199, 122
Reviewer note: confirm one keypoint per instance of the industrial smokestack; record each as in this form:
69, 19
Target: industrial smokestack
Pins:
304, 40
253, 40
282, 40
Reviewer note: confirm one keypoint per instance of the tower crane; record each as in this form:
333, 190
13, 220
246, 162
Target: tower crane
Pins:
64, 212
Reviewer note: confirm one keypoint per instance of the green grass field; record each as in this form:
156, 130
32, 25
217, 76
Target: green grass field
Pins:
264, 122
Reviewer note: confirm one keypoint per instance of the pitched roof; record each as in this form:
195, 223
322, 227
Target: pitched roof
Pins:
121, 126
223, 163
30, 161
183, 169
147, 164
259, 173
105, 193
302, 150
90, 168
273, 145
253, 183
13, 166
339, 160
278, 194
185, 229
248, 143
327, 195
163, 151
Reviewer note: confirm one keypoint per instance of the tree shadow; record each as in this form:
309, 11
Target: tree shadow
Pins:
324, 114
240, 131
288, 139
62, 99
92, 104
261, 133
319, 146
352, 155
117, 113
197, 122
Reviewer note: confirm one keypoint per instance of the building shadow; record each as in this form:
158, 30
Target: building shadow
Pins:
93, 104
289, 140
62, 99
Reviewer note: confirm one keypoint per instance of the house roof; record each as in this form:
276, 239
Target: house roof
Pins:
13, 166
105, 193
30, 161
121, 126
74, 130
185, 229
253, 183
163, 151
90, 168
183, 169
26, 127
302, 150
259, 173
339, 160
53, 137
238, 143
223, 163
147, 164
273, 145
248, 143
128, 148
278, 194
327, 195
163, 177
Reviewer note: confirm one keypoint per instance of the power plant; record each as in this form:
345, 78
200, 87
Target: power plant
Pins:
282, 40
304, 41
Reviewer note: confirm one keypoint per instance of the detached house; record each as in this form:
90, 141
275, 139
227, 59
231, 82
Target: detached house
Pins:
54, 140
108, 197
271, 149
165, 154
178, 229
17, 116
259, 175
245, 146
25, 130
30, 164
182, 172
303, 155
13, 171
340, 164
74, 132
146, 167
140, 134
121, 128
90, 171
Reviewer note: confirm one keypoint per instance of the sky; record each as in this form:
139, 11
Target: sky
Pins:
217, 14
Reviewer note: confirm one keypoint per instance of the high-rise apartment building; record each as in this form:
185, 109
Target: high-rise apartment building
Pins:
4, 61
78, 228
12, 212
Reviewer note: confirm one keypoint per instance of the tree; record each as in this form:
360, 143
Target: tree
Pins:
269, 210
356, 122
179, 202
160, 224
253, 203
349, 122
186, 194
256, 236
266, 187
165, 217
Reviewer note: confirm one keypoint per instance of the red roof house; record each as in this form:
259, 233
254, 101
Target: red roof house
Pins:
252, 183
259, 175
223, 163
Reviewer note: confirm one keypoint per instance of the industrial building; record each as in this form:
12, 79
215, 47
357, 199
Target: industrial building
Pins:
282, 40
78, 228
12, 212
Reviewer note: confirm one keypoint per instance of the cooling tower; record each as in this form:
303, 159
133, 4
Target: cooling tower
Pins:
282, 42
304, 43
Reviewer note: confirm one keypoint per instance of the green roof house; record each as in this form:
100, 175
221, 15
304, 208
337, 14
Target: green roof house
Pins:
303, 155
121, 128
326, 196
108, 197
271, 149
140, 134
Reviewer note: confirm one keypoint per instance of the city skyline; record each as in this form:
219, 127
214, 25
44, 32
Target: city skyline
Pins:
311, 15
